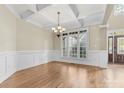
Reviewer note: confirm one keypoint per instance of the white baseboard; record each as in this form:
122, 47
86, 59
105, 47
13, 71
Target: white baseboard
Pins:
10, 62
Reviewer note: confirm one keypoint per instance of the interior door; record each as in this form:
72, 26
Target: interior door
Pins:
119, 49
110, 49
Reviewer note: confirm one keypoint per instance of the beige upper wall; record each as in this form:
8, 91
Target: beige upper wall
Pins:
97, 38
31, 37
7, 30
103, 38
116, 22
56, 42
16, 34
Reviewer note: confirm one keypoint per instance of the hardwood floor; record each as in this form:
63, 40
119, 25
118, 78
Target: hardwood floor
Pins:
59, 74
115, 65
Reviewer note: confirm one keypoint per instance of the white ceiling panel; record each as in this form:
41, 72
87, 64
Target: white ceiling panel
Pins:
51, 13
72, 16
71, 25
20, 8
40, 19
94, 19
26, 14
89, 9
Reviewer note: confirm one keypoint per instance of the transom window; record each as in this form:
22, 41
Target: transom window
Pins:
74, 44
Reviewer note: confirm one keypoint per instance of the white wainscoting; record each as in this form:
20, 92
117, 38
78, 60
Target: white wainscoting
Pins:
98, 58
7, 65
10, 62
94, 57
26, 59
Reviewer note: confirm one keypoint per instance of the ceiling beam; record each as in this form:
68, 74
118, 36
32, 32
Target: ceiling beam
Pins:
108, 12
76, 13
41, 6
74, 9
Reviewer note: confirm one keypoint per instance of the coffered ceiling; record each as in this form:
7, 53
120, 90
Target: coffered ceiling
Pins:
72, 15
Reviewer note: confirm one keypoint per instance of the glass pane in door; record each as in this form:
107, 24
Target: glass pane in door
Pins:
120, 45
110, 45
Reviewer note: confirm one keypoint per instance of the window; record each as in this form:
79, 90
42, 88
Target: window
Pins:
64, 46
118, 9
83, 43
74, 44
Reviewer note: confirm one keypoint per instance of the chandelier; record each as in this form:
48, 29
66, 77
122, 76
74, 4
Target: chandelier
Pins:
59, 29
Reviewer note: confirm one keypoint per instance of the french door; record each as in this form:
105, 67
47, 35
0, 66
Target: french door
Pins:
119, 49
116, 49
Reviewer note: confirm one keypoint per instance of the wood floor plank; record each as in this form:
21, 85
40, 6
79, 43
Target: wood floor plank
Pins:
65, 75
